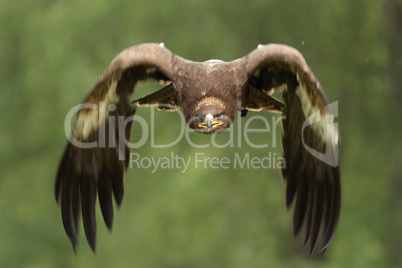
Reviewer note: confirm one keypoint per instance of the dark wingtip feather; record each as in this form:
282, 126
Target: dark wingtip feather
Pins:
70, 229
92, 245
105, 198
309, 214
302, 200
66, 200
317, 216
117, 184
333, 217
57, 190
88, 194
290, 192
118, 195
63, 167
75, 245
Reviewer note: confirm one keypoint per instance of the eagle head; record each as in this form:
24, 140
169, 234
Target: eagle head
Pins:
210, 117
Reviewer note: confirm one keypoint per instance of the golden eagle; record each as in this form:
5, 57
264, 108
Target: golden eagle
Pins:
210, 94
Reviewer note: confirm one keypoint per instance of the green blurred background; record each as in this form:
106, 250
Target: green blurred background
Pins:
52, 52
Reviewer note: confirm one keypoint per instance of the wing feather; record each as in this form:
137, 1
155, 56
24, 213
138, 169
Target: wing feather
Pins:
313, 183
97, 156
105, 197
88, 198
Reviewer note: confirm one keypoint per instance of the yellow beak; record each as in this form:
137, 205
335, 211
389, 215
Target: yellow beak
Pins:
209, 123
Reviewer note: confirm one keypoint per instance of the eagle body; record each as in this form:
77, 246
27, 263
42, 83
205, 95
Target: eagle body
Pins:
210, 94
202, 86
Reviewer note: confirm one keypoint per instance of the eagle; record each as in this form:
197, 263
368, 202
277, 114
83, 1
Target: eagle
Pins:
210, 94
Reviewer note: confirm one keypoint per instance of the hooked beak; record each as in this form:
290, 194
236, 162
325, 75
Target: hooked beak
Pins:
209, 122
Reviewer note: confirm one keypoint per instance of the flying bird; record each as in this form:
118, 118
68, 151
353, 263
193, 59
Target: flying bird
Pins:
210, 94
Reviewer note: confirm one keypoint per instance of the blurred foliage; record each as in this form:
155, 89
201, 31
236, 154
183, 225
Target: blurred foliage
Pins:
51, 53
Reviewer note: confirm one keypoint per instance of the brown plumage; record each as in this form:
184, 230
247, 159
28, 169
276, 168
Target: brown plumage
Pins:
210, 94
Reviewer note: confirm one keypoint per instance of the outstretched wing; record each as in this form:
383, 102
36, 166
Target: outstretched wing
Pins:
310, 137
96, 157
